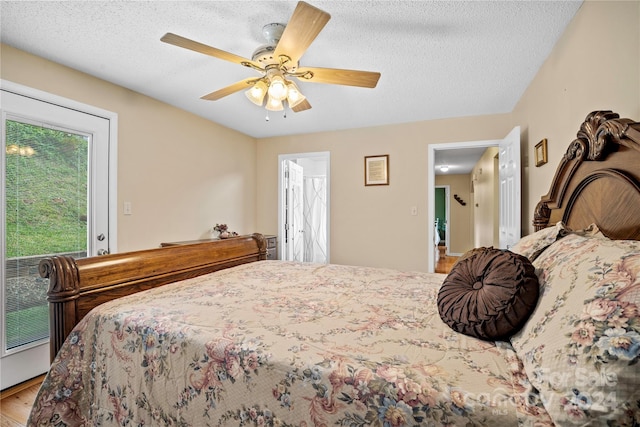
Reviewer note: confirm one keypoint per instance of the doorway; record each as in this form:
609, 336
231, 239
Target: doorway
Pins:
58, 194
303, 205
509, 188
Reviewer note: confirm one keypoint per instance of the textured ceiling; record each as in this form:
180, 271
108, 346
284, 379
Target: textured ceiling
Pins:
438, 59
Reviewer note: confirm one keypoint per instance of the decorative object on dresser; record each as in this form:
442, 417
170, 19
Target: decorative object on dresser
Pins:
223, 231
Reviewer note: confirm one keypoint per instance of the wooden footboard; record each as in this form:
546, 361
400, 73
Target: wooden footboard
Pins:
78, 285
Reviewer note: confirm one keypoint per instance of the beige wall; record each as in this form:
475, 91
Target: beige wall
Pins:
184, 174
374, 225
460, 217
181, 173
594, 66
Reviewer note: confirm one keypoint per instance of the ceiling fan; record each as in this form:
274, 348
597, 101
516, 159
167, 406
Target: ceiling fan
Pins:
278, 60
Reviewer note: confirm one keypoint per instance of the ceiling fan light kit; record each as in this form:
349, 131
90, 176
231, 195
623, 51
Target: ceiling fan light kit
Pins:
278, 60
277, 85
257, 92
274, 104
294, 96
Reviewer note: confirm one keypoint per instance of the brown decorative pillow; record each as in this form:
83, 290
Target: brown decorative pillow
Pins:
489, 294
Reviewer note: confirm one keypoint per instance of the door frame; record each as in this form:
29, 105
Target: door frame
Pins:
326, 155
431, 177
37, 356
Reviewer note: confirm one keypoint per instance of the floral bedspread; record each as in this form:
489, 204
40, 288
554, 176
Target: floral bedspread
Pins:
283, 344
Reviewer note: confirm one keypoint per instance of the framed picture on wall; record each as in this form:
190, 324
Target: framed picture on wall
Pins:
541, 152
376, 170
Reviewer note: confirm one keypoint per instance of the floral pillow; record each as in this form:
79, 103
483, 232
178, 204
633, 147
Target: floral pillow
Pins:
581, 346
532, 245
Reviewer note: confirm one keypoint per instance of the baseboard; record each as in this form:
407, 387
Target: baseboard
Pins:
22, 386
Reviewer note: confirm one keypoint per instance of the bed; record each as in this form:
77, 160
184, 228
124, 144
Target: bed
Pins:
213, 334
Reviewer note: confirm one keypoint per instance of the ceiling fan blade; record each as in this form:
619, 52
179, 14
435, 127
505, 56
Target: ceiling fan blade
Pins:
304, 105
339, 77
304, 26
236, 87
186, 43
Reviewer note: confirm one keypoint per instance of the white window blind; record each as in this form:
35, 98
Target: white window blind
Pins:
45, 213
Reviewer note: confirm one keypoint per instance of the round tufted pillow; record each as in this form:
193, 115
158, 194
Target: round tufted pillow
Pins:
489, 294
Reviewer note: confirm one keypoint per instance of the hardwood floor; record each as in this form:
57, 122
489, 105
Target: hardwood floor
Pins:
445, 262
16, 403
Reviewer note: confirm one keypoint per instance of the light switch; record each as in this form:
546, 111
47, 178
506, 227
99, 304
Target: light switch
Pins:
127, 208
414, 210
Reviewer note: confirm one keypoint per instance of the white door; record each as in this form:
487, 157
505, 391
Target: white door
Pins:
294, 217
510, 191
55, 193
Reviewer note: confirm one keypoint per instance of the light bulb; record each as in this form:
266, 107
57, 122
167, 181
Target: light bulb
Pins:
274, 104
257, 92
277, 88
294, 96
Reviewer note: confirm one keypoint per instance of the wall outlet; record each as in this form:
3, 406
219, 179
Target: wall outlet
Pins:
127, 208
414, 210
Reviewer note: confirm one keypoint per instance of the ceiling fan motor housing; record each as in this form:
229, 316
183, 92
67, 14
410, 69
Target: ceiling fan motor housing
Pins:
273, 32
264, 54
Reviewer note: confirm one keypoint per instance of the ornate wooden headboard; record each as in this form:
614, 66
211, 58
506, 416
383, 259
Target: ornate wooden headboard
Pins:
598, 179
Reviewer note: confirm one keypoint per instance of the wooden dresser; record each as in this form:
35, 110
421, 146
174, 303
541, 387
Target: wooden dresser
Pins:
272, 244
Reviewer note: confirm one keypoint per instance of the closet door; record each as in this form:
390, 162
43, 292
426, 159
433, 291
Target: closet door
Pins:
294, 224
